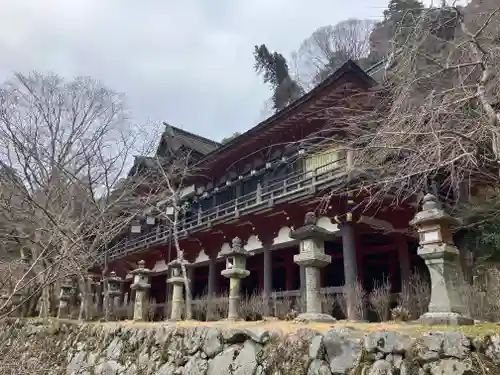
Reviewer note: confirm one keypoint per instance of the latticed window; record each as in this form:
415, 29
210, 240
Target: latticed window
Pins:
249, 186
322, 161
225, 196
206, 204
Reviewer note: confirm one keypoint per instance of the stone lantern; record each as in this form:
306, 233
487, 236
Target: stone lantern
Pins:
94, 284
90, 298
442, 258
177, 281
235, 271
141, 286
66, 295
113, 294
312, 257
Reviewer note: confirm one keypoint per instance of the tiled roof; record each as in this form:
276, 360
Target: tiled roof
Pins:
193, 141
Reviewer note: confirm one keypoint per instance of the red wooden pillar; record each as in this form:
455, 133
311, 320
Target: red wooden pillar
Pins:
403, 258
289, 269
261, 276
393, 264
359, 258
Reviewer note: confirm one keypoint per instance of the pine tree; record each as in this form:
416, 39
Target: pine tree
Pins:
402, 16
274, 68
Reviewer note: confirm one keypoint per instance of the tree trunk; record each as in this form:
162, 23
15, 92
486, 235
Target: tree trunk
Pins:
180, 257
85, 303
189, 306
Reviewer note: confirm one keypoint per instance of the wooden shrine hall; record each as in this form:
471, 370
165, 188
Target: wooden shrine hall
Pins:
261, 196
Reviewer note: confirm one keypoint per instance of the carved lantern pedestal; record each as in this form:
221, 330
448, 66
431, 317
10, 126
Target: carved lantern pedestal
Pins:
113, 293
66, 295
442, 258
177, 281
92, 295
312, 257
235, 271
141, 286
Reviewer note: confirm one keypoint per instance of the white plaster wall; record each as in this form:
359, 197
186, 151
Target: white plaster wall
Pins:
283, 237
202, 257
327, 223
253, 243
160, 266
225, 248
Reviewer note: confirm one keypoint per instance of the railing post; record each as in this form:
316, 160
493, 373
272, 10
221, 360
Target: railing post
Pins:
236, 211
199, 214
258, 196
349, 159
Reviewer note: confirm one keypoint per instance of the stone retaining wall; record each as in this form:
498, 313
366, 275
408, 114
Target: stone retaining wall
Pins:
111, 349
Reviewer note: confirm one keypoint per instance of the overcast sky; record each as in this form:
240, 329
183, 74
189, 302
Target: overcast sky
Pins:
187, 62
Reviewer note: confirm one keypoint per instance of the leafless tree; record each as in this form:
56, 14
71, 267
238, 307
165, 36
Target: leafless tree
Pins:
66, 145
434, 118
329, 47
169, 177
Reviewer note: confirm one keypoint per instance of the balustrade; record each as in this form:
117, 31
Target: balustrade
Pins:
290, 185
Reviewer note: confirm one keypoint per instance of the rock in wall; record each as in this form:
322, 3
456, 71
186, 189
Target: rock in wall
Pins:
113, 349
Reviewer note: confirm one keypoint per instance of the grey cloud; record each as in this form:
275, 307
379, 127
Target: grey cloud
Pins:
187, 62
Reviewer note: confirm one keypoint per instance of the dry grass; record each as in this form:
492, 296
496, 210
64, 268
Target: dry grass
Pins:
482, 300
415, 295
380, 299
286, 327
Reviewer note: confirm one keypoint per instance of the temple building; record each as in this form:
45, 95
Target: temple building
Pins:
258, 187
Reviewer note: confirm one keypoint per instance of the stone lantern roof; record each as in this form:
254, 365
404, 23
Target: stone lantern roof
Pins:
432, 213
310, 229
141, 269
237, 249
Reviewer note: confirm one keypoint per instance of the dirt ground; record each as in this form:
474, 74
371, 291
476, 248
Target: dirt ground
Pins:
412, 329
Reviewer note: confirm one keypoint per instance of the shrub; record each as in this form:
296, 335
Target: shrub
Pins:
400, 314
252, 307
357, 293
483, 296
415, 295
380, 299
210, 308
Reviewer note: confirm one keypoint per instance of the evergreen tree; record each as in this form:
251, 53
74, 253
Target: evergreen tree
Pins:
274, 68
230, 138
402, 16
397, 10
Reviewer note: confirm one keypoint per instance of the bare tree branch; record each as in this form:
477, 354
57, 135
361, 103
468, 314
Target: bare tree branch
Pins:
64, 149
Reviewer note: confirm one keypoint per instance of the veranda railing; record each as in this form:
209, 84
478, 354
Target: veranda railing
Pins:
266, 195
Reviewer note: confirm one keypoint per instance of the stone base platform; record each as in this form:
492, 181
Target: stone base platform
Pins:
315, 317
451, 319
196, 348
231, 320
